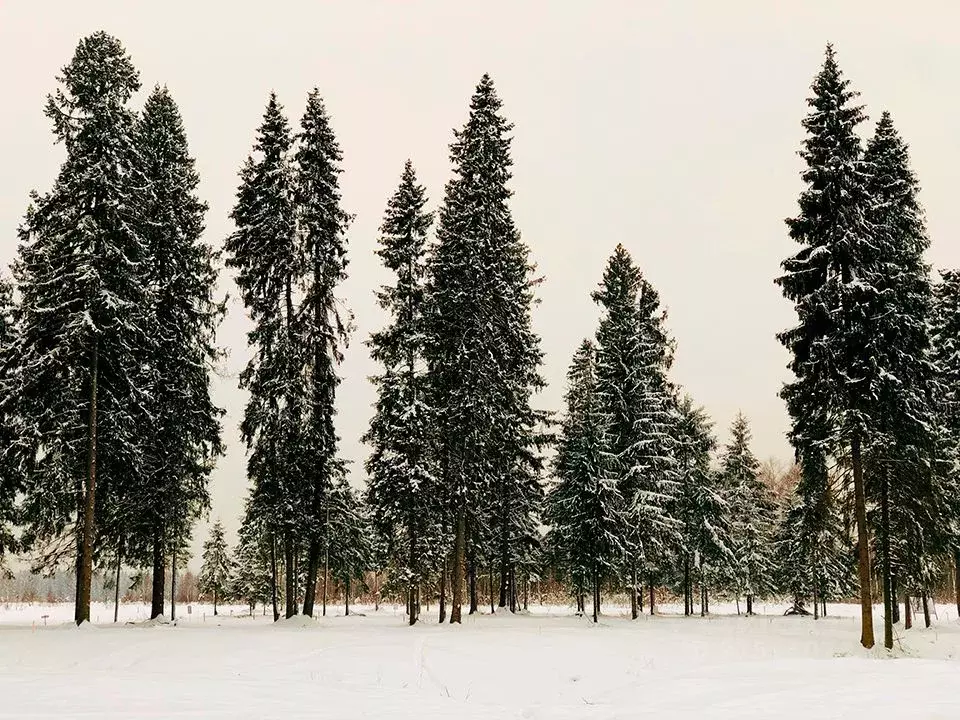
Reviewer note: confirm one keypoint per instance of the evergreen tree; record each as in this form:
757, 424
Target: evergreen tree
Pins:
633, 356
82, 275
268, 259
252, 577
483, 356
584, 507
184, 433
10, 478
831, 280
402, 490
323, 326
217, 569
752, 516
349, 538
699, 506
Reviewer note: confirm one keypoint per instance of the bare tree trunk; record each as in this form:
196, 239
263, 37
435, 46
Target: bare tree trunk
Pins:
956, 578
456, 578
816, 604
924, 597
290, 592
653, 598
894, 594
310, 586
493, 601
596, 594
526, 590
907, 612
326, 562
888, 601
634, 612
116, 589
173, 581
159, 570
273, 576
863, 546
472, 577
823, 606
346, 596
687, 588
82, 610
443, 591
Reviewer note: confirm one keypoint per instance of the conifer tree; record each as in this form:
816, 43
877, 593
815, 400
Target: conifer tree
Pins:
10, 478
633, 356
268, 259
402, 491
699, 505
584, 507
217, 569
252, 580
184, 433
752, 516
83, 322
323, 325
349, 537
483, 355
830, 280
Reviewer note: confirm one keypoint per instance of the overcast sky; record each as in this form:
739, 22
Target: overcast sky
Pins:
670, 127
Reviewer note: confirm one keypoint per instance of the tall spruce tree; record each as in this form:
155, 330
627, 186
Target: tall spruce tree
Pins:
584, 507
83, 326
184, 433
323, 325
217, 569
946, 350
483, 356
402, 491
906, 426
633, 356
831, 282
10, 477
268, 258
752, 516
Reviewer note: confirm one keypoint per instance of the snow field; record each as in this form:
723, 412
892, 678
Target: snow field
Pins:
545, 665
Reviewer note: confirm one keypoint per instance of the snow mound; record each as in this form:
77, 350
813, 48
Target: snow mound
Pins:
297, 621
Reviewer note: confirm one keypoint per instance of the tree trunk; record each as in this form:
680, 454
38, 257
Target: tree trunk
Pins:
653, 599
749, 604
159, 571
894, 594
907, 612
503, 578
326, 561
214, 602
173, 581
82, 610
926, 608
116, 589
956, 578
472, 576
823, 606
310, 587
634, 612
526, 590
816, 603
443, 591
493, 600
273, 576
346, 596
888, 601
456, 577
596, 594
863, 546
290, 600
687, 590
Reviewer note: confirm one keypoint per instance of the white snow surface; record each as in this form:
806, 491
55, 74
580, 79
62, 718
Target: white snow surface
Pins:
545, 665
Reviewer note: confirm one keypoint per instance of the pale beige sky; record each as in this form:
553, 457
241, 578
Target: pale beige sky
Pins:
671, 127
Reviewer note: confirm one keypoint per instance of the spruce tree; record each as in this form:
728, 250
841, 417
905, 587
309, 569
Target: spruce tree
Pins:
217, 569
633, 356
82, 274
322, 324
349, 538
830, 280
268, 259
699, 506
402, 490
184, 433
10, 477
252, 579
752, 516
584, 507
483, 356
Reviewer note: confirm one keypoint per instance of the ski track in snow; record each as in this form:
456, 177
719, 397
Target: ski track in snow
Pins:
545, 665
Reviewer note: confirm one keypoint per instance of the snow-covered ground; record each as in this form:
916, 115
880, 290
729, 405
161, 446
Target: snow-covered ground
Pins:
545, 665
